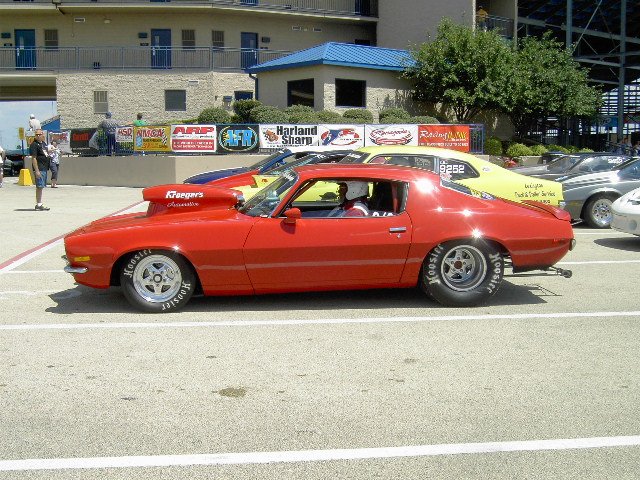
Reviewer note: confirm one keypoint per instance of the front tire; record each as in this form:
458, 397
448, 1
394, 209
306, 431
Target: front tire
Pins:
462, 273
597, 212
157, 281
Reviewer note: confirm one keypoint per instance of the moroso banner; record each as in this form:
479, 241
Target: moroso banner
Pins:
152, 139
351, 136
454, 137
238, 138
193, 138
395, 134
283, 135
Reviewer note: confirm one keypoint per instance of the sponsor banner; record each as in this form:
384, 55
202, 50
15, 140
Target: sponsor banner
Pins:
455, 137
351, 136
193, 138
79, 141
152, 139
396, 134
63, 139
283, 135
124, 134
237, 138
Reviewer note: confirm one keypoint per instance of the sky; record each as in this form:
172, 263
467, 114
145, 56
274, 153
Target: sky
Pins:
16, 114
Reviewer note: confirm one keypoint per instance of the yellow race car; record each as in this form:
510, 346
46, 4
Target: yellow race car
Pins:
476, 174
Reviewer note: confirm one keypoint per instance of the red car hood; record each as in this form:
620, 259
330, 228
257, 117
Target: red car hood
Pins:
182, 198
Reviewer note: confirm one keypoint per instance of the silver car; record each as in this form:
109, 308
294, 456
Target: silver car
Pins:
589, 197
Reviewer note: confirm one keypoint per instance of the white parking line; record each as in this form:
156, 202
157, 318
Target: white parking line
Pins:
325, 321
317, 455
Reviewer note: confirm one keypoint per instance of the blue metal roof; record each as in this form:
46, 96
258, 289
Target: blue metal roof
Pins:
342, 54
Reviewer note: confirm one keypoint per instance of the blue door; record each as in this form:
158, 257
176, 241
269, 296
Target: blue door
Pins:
249, 49
25, 49
161, 48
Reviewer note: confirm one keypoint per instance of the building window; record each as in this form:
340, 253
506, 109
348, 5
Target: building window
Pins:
242, 95
100, 101
51, 39
188, 39
217, 38
362, 41
300, 92
175, 100
351, 93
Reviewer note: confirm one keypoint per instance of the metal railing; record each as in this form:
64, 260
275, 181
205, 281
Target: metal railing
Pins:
365, 8
130, 58
501, 25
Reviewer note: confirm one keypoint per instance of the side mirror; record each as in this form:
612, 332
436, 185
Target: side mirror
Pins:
291, 215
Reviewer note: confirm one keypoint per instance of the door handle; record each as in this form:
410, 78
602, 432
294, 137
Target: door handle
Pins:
397, 229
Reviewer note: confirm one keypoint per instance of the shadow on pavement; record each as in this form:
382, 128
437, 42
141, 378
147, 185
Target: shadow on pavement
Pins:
82, 299
628, 244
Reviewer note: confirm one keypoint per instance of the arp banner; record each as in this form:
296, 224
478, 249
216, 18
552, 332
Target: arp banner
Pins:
193, 138
152, 139
237, 138
455, 137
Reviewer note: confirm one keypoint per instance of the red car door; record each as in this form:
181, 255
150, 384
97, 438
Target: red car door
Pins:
353, 252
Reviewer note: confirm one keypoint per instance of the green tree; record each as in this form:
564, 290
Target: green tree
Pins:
547, 82
463, 69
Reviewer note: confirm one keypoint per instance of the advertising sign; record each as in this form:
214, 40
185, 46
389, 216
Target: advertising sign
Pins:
63, 139
391, 134
342, 135
193, 138
276, 136
455, 137
80, 141
237, 138
152, 139
124, 138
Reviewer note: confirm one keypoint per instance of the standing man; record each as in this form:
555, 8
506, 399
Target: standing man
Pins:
139, 122
34, 123
109, 126
40, 161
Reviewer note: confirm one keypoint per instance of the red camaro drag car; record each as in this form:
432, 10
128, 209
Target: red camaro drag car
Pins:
411, 228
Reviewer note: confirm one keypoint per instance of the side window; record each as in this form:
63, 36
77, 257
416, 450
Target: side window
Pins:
451, 169
423, 162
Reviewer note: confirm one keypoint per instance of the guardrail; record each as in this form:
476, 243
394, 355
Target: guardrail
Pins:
501, 25
129, 58
365, 8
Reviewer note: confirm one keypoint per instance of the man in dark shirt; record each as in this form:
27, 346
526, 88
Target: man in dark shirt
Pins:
40, 161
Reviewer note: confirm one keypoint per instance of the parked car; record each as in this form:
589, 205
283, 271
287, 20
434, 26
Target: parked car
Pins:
626, 213
548, 157
465, 169
427, 232
13, 162
280, 157
589, 197
574, 164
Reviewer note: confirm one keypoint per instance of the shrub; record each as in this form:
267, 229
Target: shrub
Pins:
423, 120
237, 119
538, 149
395, 113
557, 148
214, 115
585, 150
358, 115
242, 109
268, 114
302, 116
299, 108
327, 116
518, 150
493, 146
394, 119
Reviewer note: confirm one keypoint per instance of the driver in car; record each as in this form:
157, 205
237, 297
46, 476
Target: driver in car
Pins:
353, 196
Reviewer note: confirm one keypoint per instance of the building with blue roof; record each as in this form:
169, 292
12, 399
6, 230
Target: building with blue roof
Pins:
336, 76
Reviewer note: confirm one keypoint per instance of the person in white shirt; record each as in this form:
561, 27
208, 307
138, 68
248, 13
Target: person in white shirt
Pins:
54, 156
34, 123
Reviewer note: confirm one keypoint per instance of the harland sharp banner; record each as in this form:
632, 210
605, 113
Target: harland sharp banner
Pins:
193, 138
455, 137
152, 139
276, 136
351, 136
391, 134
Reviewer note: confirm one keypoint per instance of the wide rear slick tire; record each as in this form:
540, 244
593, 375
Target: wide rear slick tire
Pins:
157, 281
462, 273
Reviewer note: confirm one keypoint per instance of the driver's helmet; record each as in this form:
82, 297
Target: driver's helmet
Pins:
357, 190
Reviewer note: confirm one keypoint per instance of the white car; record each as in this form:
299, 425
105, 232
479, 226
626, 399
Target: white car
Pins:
626, 213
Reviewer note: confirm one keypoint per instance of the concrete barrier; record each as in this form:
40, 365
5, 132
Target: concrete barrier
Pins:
143, 170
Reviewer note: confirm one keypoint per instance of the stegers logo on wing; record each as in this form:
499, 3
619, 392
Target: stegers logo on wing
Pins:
237, 138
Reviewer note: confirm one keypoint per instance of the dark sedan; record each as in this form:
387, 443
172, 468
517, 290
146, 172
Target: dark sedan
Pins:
574, 164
